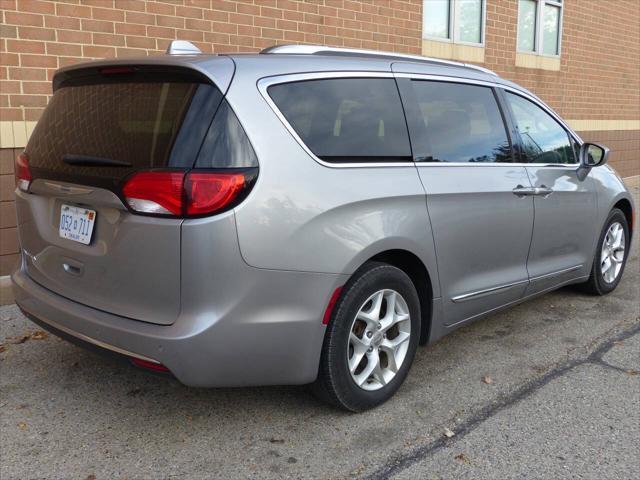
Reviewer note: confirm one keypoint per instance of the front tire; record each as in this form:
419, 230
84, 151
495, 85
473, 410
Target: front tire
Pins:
371, 339
611, 255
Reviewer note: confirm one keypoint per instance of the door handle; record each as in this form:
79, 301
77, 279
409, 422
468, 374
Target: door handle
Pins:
521, 191
541, 191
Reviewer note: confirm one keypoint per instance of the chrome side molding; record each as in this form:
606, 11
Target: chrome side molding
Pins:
556, 273
489, 291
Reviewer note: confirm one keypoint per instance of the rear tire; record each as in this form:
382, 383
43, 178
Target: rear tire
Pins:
371, 339
610, 256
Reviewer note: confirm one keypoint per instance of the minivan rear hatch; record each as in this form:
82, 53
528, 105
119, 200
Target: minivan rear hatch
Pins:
103, 125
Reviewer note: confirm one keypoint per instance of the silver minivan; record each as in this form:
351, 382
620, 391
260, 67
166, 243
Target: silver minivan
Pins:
306, 215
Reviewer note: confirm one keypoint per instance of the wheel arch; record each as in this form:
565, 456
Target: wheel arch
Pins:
625, 206
417, 271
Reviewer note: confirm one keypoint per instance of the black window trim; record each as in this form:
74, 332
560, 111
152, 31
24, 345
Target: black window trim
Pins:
265, 82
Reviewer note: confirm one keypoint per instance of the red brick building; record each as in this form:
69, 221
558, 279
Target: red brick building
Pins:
580, 56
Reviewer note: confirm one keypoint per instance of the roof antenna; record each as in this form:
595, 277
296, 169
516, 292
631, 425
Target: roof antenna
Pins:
182, 47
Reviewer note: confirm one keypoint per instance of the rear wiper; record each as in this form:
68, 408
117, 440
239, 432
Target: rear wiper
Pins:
88, 161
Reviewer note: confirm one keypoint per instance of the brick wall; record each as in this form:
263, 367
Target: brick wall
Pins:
625, 148
8, 234
599, 78
40, 36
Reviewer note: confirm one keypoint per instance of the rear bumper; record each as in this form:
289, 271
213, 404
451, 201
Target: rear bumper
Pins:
259, 343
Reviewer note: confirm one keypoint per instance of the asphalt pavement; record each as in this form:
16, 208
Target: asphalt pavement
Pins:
547, 389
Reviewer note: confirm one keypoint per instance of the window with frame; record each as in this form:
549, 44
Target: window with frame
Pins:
458, 21
543, 139
540, 26
462, 123
346, 120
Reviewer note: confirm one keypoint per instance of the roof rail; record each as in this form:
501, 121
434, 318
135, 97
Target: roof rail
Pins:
323, 50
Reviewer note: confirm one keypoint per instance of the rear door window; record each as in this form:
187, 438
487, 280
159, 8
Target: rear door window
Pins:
346, 119
459, 123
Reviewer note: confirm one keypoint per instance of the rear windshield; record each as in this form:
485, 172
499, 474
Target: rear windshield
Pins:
346, 119
131, 125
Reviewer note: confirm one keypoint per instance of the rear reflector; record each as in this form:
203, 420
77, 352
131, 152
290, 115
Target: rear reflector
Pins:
23, 173
331, 305
156, 367
184, 195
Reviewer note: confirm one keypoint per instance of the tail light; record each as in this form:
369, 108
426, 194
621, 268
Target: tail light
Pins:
116, 70
23, 173
211, 192
183, 194
155, 192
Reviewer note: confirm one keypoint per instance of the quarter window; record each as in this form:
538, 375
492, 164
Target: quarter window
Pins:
226, 144
346, 119
459, 21
543, 139
462, 123
539, 26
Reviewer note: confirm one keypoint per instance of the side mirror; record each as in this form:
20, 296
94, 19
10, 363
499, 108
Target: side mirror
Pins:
593, 155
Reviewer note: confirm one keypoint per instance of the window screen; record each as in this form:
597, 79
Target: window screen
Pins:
539, 26
435, 21
456, 20
469, 21
462, 123
527, 17
348, 119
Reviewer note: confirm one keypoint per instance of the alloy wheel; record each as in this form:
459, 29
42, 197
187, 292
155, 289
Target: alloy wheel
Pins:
612, 253
379, 339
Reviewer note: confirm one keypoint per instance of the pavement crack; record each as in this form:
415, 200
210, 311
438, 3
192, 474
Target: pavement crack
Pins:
610, 342
401, 462
602, 363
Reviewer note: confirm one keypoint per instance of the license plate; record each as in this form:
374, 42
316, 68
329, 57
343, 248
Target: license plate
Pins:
76, 223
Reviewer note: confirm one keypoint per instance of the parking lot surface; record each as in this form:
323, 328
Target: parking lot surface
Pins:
548, 389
